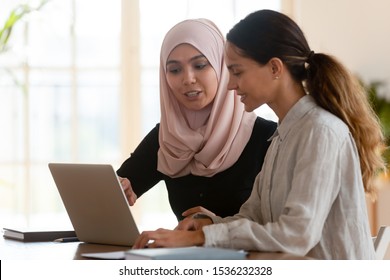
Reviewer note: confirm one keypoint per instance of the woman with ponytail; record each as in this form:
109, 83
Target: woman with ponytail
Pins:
309, 198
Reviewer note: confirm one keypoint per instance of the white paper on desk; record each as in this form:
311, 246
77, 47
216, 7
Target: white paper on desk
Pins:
117, 255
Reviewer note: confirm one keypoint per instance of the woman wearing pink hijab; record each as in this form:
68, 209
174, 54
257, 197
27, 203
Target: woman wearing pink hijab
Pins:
206, 148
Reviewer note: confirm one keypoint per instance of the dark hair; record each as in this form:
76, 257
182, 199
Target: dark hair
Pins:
266, 34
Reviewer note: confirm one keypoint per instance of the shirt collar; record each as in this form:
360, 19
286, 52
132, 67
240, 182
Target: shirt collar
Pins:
298, 111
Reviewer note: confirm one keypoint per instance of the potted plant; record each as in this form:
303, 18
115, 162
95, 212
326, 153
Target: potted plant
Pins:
381, 107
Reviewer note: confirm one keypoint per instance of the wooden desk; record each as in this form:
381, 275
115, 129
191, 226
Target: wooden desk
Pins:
16, 250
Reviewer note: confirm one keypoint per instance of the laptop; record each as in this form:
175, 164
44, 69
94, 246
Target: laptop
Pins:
95, 202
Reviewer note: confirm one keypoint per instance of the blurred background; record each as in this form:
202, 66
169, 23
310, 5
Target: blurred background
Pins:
79, 83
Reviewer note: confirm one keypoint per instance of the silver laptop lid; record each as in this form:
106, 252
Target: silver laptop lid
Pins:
95, 202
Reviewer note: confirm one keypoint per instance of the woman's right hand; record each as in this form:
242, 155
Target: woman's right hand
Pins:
128, 190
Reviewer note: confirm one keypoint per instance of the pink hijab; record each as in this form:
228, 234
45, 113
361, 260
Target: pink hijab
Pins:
208, 141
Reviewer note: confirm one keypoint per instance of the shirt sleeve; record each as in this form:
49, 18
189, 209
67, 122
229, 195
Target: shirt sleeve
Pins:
141, 167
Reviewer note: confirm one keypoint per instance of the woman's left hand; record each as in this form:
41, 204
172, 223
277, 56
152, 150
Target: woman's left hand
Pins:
197, 209
190, 223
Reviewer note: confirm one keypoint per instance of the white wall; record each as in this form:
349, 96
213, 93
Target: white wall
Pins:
357, 32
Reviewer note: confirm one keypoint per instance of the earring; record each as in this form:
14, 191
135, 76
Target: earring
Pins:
276, 78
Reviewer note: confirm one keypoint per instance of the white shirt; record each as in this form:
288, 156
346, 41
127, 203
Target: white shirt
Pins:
309, 197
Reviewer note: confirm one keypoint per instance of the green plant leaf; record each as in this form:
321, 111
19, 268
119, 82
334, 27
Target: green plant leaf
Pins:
16, 15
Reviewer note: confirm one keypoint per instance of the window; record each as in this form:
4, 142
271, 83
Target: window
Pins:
60, 95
